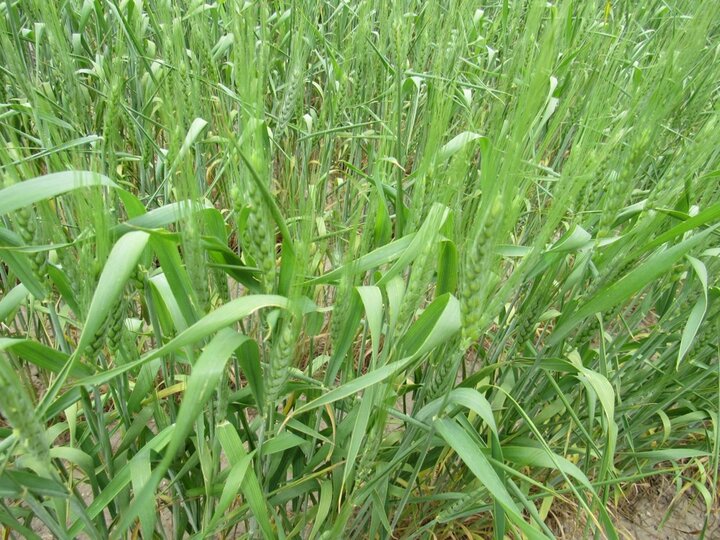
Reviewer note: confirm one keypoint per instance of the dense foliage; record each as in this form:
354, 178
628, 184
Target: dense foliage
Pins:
354, 269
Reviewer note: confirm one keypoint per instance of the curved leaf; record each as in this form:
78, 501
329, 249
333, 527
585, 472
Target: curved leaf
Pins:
45, 187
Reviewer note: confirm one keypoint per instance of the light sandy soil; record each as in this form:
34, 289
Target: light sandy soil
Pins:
657, 515
652, 512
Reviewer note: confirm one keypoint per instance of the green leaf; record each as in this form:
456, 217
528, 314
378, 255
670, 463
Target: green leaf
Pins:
354, 386
140, 471
19, 263
42, 356
65, 287
706, 216
468, 398
358, 433
203, 381
235, 451
12, 300
212, 322
175, 274
456, 144
572, 241
122, 478
698, 311
447, 272
608, 297
76, 457
248, 356
344, 341
201, 385
436, 325
323, 508
231, 488
45, 187
427, 234
378, 257
282, 442
458, 439
119, 266
163, 216
196, 128
14, 483
373, 302
602, 389
539, 457
670, 454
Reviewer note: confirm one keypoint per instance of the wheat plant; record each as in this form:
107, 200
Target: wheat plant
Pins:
331, 269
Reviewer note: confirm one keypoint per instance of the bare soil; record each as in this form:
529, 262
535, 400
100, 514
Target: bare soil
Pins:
657, 514
652, 511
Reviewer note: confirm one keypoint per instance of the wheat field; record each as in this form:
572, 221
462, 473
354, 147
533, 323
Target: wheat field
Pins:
327, 269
